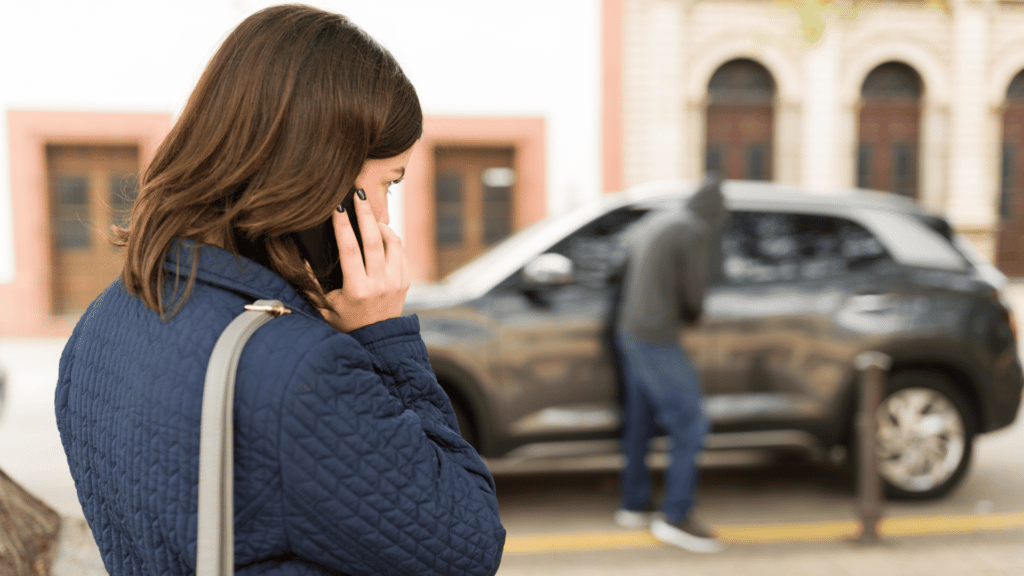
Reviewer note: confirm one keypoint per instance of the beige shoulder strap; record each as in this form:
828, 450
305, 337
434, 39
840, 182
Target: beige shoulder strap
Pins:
215, 548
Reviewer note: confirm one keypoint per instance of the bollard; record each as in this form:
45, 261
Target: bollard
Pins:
873, 367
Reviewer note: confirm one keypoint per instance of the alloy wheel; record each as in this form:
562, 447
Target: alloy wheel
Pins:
922, 439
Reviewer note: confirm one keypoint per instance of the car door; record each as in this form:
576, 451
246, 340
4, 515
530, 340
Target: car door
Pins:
776, 355
556, 365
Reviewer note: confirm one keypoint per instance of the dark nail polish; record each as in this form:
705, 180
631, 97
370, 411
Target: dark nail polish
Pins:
341, 208
361, 194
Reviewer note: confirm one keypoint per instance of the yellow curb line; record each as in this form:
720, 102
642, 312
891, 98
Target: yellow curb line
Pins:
748, 534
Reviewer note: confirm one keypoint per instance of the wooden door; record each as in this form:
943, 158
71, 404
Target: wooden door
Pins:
474, 194
890, 119
739, 141
91, 188
739, 118
887, 151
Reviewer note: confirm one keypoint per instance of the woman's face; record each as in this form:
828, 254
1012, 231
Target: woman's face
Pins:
376, 179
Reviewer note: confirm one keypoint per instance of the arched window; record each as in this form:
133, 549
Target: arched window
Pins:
890, 118
1010, 244
739, 121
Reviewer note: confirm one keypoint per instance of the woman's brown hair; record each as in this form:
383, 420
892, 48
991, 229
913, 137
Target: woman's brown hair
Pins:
278, 127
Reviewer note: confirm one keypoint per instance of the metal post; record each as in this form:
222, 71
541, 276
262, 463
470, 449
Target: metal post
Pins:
873, 367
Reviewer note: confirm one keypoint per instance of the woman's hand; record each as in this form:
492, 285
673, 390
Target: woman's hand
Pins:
374, 291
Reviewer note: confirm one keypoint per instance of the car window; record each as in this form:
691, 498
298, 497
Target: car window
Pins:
595, 249
914, 242
786, 247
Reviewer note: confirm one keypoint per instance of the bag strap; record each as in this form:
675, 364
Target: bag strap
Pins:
215, 546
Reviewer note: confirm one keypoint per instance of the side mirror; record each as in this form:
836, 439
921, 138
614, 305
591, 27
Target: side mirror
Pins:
548, 270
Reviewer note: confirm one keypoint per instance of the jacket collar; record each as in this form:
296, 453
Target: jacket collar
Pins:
224, 269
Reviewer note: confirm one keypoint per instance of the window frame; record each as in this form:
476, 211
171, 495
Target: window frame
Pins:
839, 223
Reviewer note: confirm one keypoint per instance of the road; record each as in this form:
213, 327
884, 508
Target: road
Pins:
781, 515
781, 488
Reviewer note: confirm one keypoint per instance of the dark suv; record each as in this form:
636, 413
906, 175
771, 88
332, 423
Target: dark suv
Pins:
802, 284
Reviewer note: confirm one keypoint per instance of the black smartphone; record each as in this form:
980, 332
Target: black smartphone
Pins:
319, 246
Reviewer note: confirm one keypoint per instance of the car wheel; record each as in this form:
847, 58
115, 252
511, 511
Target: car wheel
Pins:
466, 429
925, 436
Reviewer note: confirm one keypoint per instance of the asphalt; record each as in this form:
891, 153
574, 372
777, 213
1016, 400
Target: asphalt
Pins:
982, 543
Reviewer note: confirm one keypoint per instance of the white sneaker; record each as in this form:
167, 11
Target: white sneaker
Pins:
634, 519
687, 534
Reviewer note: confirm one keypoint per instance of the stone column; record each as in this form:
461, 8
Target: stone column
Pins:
972, 198
653, 107
820, 129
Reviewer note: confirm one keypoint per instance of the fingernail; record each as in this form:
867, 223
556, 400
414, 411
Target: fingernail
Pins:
341, 208
361, 194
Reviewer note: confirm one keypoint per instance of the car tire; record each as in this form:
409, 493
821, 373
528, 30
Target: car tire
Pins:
925, 435
466, 428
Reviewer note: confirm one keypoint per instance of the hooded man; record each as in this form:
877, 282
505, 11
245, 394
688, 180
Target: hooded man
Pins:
663, 291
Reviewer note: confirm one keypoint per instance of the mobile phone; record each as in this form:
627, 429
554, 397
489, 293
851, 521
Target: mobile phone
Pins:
319, 246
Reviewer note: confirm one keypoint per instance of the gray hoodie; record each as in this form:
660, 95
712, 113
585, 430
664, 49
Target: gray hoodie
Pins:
669, 253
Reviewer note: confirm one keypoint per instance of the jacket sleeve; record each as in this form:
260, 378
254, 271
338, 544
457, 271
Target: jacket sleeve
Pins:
376, 478
693, 264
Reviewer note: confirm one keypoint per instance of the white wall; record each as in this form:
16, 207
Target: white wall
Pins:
466, 58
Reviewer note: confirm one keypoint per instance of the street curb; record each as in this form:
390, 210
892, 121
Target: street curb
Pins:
770, 533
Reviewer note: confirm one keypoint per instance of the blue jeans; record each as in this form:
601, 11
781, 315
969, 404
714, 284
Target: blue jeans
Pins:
661, 388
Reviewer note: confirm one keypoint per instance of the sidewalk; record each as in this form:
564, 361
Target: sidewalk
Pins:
942, 555
77, 554
983, 544
31, 453
766, 550
996, 553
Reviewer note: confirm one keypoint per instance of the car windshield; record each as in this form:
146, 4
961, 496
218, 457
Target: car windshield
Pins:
529, 241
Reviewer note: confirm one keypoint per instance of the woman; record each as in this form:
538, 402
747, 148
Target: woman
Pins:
347, 454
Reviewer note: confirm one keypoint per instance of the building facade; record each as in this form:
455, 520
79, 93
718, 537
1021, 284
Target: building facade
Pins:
915, 98
919, 98
511, 130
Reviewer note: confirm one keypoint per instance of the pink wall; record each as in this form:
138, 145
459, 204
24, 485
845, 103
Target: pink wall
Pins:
611, 94
526, 135
25, 304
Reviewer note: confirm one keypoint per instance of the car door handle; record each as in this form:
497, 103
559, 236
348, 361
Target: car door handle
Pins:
870, 303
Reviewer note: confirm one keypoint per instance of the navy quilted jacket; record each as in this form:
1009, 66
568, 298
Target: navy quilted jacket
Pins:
347, 455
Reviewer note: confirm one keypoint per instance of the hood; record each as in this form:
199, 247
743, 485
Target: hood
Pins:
430, 295
707, 203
